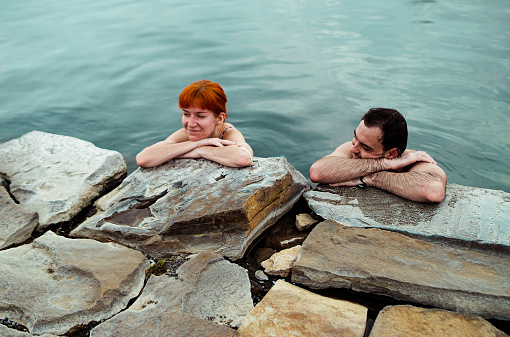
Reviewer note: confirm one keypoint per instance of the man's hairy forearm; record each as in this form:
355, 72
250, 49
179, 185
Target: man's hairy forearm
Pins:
335, 169
417, 186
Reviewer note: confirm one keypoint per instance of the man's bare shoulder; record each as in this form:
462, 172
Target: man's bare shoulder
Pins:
342, 151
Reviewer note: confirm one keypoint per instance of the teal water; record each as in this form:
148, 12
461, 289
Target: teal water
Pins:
298, 74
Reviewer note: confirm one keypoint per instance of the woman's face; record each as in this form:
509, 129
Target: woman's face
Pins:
200, 123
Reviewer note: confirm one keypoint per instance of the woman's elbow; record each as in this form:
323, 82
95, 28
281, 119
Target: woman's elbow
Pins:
142, 160
244, 160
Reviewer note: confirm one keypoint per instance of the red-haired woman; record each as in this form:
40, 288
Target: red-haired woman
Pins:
205, 133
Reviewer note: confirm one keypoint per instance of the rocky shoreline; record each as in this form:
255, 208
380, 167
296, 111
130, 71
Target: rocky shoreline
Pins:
193, 248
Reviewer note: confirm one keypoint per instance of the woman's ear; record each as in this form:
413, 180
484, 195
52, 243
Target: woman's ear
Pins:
221, 117
392, 153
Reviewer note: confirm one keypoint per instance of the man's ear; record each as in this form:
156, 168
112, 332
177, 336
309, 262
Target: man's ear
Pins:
392, 153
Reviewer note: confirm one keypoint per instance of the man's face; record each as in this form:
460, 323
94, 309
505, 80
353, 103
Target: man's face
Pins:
366, 143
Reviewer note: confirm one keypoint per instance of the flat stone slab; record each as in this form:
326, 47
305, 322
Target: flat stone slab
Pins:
288, 310
57, 176
475, 215
208, 297
16, 223
409, 321
194, 205
55, 283
387, 263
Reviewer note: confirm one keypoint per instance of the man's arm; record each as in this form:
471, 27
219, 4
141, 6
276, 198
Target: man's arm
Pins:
339, 166
423, 182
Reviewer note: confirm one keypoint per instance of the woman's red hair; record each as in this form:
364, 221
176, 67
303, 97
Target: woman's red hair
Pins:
205, 95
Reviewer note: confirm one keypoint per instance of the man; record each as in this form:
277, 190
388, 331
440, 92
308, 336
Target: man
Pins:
377, 156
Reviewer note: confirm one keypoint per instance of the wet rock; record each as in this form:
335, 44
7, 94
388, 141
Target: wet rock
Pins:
305, 221
209, 291
189, 206
476, 216
16, 223
386, 263
409, 321
281, 263
262, 254
56, 283
288, 310
285, 235
57, 176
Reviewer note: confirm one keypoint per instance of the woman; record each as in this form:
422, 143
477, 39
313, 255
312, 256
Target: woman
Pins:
205, 134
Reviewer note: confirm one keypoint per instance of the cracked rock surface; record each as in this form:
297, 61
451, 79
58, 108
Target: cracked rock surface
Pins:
57, 176
190, 205
55, 283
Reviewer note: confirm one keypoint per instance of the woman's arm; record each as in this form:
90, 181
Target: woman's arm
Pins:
175, 146
231, 155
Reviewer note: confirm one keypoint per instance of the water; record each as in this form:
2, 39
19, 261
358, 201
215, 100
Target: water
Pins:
298, 74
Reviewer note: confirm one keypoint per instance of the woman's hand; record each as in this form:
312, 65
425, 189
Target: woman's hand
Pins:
214, 142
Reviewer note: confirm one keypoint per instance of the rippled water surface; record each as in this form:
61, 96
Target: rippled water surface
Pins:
298, 74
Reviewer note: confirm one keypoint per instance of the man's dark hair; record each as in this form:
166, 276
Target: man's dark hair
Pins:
393, 126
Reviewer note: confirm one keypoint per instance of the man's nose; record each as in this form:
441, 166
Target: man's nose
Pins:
354, 147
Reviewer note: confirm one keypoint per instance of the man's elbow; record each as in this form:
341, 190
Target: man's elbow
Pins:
316, 175
435, 193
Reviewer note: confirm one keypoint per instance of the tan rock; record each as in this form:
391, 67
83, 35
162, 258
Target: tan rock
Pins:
56, 283
288, 310
409, 321
195, 205
281, 263
305, 221
382, 262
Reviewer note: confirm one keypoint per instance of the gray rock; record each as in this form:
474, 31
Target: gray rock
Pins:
386, 263
409, 321
56, 283
16, 223
209, 291
57, 176
189, 206
261, 276
8, 332
475, 215
288, 310
154, 323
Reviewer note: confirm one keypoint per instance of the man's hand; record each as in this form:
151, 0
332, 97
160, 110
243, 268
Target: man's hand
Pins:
407, 159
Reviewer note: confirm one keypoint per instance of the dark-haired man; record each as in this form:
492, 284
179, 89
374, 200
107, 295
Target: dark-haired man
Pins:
377, 156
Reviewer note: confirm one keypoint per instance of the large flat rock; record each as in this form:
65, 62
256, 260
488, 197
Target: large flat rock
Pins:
189, 206
288, 310
409, 321
55, 283
208, 297
477, 216
57, 176
16, 223
387, 263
